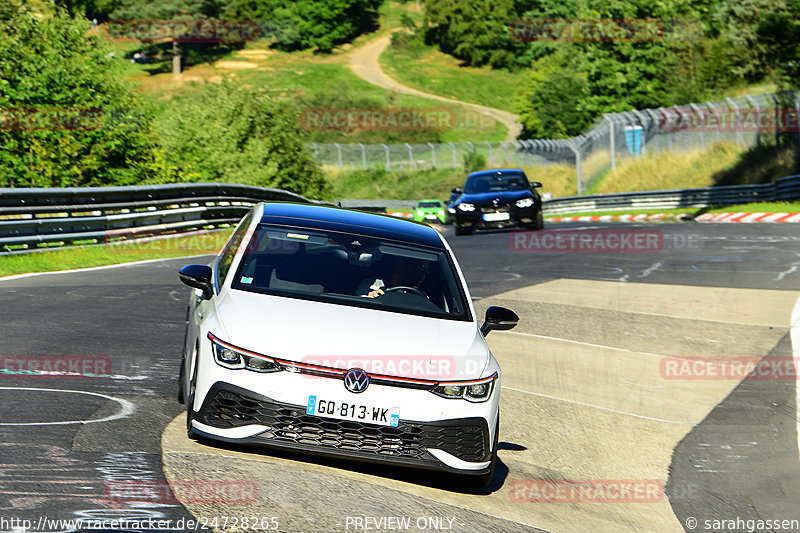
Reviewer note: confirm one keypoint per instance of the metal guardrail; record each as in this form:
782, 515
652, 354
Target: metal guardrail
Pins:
30, 218
35, 217
783, 189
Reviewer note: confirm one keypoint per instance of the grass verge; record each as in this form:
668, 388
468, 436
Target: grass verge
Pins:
757, 207
74, 257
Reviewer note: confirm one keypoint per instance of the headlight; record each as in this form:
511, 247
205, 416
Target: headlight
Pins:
420, 212
451, 210
466, 207
476, 390
524, 202
229, 357
441, 212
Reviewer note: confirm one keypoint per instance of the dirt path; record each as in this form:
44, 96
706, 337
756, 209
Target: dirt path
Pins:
364, 62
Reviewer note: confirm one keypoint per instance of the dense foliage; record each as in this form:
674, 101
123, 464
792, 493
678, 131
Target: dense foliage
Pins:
67, 120
703, 47
226, 133
291, 24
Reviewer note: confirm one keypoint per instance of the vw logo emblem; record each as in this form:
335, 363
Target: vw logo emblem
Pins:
356, 380
496, 202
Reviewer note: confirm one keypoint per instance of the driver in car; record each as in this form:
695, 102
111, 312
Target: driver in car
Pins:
408, 276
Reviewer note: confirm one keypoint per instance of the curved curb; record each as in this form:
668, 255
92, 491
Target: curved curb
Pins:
364, 63
749, 217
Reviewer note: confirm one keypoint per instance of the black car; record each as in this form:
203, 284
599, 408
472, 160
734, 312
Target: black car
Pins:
450, 212
494, 199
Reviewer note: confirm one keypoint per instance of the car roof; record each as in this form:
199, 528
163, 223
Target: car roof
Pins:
349, 221
496, 171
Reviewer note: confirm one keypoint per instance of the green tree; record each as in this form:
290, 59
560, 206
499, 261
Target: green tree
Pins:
67, 119
227, 133
168, 10
302, 24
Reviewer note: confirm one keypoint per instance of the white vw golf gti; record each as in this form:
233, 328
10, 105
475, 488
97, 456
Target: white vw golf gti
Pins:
342, 333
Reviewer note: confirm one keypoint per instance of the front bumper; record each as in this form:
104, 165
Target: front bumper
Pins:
432, 218
235, 414
517, 217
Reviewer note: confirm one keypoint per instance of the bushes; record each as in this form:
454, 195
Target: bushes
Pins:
222, 132
70, 121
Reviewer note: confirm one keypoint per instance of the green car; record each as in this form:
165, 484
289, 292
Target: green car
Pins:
429, 211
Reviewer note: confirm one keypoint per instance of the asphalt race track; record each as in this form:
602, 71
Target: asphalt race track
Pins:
608, 421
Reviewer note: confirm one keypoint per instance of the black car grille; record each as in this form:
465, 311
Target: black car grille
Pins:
465, 439
498, 209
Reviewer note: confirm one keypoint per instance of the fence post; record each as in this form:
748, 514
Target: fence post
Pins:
339, 151
611, 142
777, 130
388, 163
455, 159
699, 112
758, 118
433, 155
738, 128
490, 152
411, 163
716, 117
363, 155
577, 167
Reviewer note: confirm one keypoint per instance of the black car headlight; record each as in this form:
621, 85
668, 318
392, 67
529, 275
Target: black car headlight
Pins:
475, 390
229, 356
524, 202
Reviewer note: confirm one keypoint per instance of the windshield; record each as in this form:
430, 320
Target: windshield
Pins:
429, 204
353, 270
498, 182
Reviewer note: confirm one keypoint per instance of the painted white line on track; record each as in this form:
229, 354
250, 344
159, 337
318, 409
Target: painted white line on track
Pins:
89, 269
794, 336
126, 408
678, 422
707, 361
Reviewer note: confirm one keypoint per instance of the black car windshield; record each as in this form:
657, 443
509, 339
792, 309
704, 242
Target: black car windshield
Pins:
351, 269
505, 181
429, 204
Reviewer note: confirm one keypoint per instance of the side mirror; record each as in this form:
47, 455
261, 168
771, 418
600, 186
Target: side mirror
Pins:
535, 185
499, 318
456, 190
198, 277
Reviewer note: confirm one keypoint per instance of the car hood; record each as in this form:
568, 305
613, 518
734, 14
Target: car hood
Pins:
345, 337
504, 197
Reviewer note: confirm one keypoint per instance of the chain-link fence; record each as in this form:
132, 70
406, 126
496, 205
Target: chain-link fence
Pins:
392, 157
745, 121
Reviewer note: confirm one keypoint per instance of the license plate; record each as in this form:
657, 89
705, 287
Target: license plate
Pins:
384, 416
431, 217
493, 217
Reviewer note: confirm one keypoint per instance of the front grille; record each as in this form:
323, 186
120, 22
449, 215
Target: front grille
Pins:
465, 439
498, 209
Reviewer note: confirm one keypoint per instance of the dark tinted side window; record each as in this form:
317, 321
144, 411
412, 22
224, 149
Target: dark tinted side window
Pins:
226, 257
